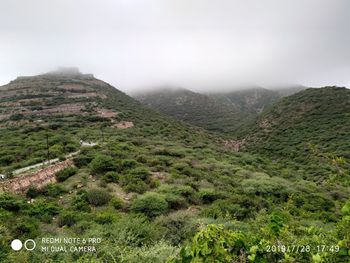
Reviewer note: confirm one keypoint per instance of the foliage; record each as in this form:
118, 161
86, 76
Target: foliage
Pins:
98, 197
214, 244
150, 204
65, 173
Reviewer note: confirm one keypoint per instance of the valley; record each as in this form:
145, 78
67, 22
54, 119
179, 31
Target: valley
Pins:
250, 170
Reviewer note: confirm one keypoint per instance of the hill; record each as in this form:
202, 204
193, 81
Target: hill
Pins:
251, 100
82, 159
191, 107
309, 124
223, 112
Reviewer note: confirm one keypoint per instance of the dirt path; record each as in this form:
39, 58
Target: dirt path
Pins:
52, 161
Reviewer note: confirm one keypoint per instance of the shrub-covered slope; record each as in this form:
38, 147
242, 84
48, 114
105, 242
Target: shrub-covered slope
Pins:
313, 124
223, 112
146, 184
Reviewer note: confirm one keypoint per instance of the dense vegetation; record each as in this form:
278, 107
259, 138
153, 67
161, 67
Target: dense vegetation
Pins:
311, 129
162, 191
223, 112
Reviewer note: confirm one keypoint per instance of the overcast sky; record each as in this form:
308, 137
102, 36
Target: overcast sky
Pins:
196, 44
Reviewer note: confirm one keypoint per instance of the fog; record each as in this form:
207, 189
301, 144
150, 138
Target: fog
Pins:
197, 44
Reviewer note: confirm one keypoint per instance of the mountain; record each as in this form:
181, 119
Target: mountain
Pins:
223, 112
79, 158
313, 122
191, 107
251, 100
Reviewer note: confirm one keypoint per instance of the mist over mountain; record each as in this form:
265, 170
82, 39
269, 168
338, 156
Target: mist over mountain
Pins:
218, 111
175, 131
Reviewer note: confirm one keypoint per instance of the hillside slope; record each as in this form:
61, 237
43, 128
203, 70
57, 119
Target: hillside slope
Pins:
253, 100
65, 108
142, 182
191, 107
223, 112
309, 124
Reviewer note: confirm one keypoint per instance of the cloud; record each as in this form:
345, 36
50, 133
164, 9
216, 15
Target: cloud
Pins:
198, 44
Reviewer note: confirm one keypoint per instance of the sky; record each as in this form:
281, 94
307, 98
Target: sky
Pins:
196, 44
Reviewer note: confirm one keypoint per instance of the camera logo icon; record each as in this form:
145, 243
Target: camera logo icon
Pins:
17, 244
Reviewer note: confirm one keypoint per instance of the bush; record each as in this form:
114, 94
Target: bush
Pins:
65, 173
141, 173
134, 231
117, 203
102, 164
32, 192
27, 228
52, 190
156, 253
43, 211
11, 203
129, 163
98, 197
111, 177
67, 219
208, 195
224, 209
106, 217
150, 204
178, 226
175, 201
215, 244
80, 202
137, 186
184, 190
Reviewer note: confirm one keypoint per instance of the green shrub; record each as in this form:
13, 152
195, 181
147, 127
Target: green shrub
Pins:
150, 204
208, 195
66, 173
134, 231
159, 252
137, 186
16, 117
140, 173
111, 177
117, 203
224, 209
27, 228
98, 197
175, 201
11, 203
67, 219
178, 226
102, 164
184, 190
215, 244
32, 192
80, 202
129, 163
106, 217
52, 190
